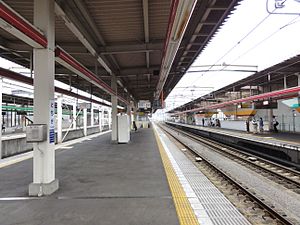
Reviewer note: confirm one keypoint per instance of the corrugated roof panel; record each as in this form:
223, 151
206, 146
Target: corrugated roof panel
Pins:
118, 21
23, 7
158, 18
131, 60
62, 32
155, 58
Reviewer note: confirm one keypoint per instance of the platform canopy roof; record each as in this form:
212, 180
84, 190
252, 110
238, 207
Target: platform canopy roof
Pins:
130, 38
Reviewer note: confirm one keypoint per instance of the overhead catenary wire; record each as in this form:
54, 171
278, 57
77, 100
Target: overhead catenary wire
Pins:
265, 39
293, 21
237, 44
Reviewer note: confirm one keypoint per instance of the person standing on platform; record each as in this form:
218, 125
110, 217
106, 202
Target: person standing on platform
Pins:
254, 124
134, 126
261, 125
247, 126
218, 123
203, 122
275, 124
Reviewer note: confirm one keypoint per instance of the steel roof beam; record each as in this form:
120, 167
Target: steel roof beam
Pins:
23, 29
81, 6
69, 62
19, 27
27, 80
146, 28
83, 9
125, 72
180, 15
75, 48
83, 37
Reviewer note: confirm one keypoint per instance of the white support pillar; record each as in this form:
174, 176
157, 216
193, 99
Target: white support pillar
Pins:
284, 82
44, 182
129, 114
92, 114
270, 116
59, 119
109, 118
100, 119
134, 113
85, 122
114, 110
1, 117
74, 115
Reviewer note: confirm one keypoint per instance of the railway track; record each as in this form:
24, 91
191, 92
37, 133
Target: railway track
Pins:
268, 213
280, 174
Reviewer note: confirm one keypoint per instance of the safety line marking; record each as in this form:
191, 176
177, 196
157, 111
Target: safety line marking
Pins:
183, 207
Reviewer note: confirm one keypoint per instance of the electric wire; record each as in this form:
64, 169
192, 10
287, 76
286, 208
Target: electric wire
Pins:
293, 21
237, 44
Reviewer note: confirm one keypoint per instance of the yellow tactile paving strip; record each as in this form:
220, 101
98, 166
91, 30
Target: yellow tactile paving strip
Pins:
183, 207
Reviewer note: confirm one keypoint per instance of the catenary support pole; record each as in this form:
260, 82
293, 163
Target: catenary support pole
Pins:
44, 182
114, 110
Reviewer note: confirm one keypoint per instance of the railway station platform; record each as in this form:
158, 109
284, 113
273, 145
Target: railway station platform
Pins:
283, 146
147, 181
291, 140
100, 183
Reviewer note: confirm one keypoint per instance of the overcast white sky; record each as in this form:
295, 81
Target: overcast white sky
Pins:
251, 36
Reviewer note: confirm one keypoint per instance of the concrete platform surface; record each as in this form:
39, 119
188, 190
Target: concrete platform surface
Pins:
100, 183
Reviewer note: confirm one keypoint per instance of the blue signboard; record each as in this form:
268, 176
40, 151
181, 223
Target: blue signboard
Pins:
51, 136
51, 122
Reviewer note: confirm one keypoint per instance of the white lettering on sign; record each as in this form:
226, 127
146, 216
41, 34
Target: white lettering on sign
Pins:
52, 122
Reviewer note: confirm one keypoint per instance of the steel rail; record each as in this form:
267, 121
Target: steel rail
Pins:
231, 152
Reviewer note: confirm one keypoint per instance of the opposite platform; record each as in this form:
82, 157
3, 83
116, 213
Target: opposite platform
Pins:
100, 183
281, 139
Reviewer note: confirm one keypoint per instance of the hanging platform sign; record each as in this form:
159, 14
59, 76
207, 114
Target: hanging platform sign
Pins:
144, 104
267, 104
84, 105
